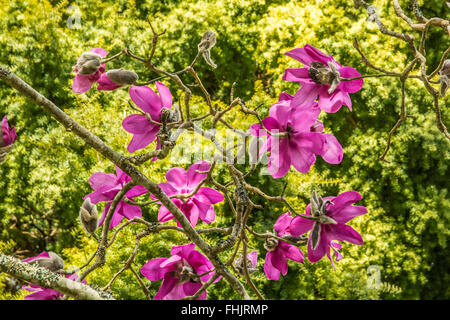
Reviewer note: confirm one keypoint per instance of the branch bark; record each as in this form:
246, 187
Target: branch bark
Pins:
47, 279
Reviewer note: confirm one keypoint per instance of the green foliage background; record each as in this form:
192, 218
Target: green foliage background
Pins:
406, 230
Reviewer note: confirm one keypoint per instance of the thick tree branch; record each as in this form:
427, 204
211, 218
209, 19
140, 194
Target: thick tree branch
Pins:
47, 279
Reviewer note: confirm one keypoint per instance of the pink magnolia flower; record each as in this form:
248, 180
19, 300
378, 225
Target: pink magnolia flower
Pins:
83, 82
181, 273
199, 205
321, 77
9, 135
40, 293
296, 138
106, 186
332, 213
280, 251
144, 131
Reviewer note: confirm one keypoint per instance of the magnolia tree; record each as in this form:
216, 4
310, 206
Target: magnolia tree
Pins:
291, 135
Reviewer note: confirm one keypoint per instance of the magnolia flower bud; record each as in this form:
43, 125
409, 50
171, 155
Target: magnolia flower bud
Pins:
88, 63
444, 77
165, 115
88, 216
174, 115
239, 266
54, 263
204, 47
271, 244
122, 76
321, 74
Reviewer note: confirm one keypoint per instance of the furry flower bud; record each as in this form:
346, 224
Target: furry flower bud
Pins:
204, 47
122, 76
88, 216
53, 263
251, 263
88, 63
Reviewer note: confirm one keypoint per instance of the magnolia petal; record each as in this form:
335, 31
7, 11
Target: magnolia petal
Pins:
345, 199
322, 247
167, 286
306, 95
167, 188
100, 51
342, 232
164, 94
170, 261
332, 151
117, 216
281, 112
146, 99
192, 213
272, 124
313, 142
292, 252
302, 159
81, 83
183, 251
352, 85
271, 272
104, 193
279, 159
253, 257
164, 214
309, 54
279, 260
300, 226
137, 124
332, 103
205, 210
348, 213
130, 211
140, 141
177, 177
209, 195
281, 226
122, 177
44, 294
152, 270
201, 265
193, 176
100, 179
136, 191
297, 75
41, 255
190, 288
